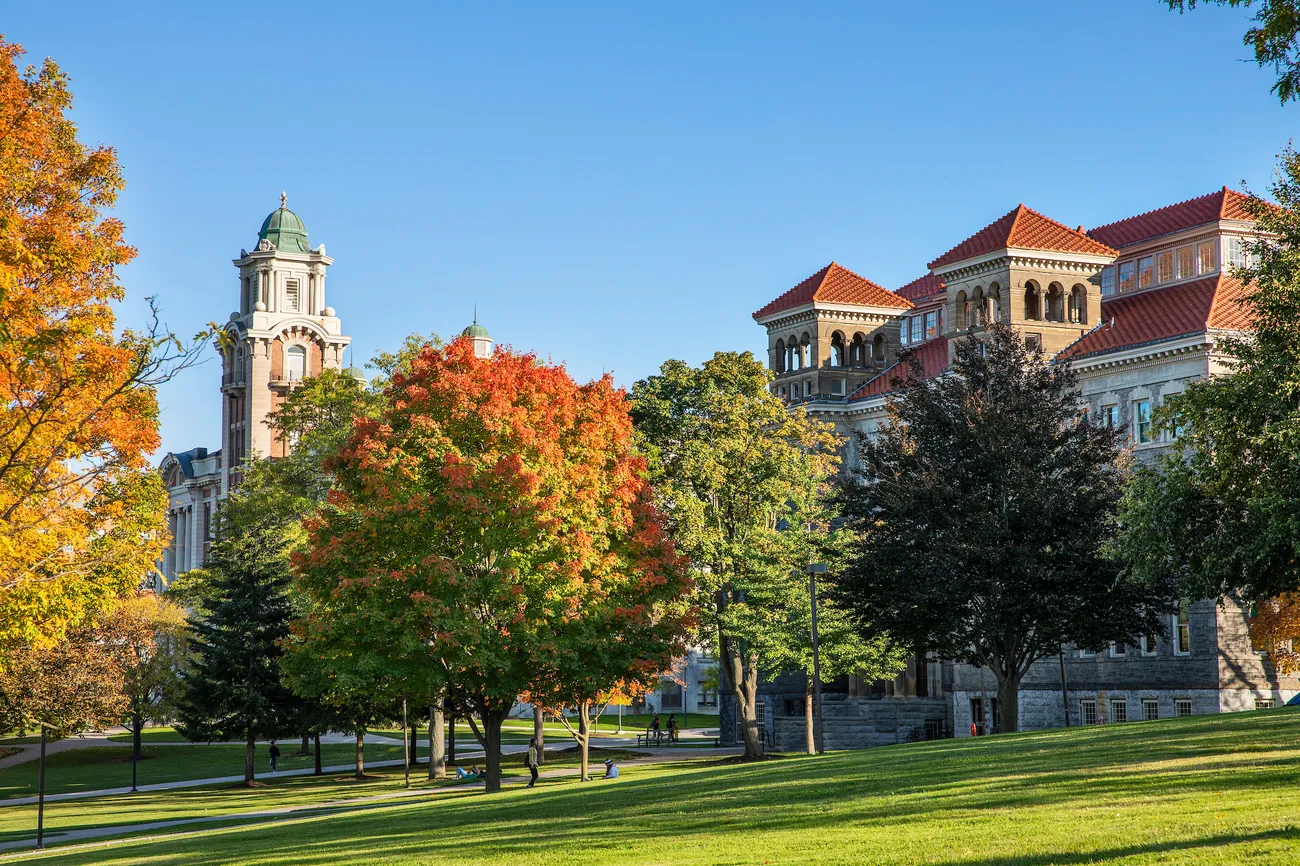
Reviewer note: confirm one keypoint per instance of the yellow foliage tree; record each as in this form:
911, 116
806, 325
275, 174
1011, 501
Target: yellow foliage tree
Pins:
1276, 629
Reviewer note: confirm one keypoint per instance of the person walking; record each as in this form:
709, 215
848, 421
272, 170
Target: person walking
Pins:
672, 727
532, 761
275, 757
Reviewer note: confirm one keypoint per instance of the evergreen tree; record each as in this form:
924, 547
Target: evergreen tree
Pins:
986, 506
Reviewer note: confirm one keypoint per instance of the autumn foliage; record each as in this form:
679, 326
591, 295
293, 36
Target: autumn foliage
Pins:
81, 514
493, 526
1275, 628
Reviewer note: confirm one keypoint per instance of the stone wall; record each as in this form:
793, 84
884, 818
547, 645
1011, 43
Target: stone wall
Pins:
852, 723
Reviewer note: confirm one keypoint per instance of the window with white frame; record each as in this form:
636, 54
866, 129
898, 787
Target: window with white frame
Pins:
1086, 653
931, 324
1110, 416
1118, 710
916, 325
1186, 263
1107, 281
1182, 707
1264, 703
1183, 631
295, 363
1205, 257
1142, 431
807, 388
1149, 643
291, 296
1088, 711
1118, 650
1238, 254
1150, 709
1126, 276
1146, 272
1165, 266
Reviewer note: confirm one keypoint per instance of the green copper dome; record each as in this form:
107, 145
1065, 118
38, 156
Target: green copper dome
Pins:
476, 330
283, 228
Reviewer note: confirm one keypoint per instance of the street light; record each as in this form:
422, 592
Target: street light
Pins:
814, 569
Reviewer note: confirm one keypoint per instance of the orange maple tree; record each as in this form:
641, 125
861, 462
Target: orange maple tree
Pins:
1275, 628
492, 527
81, 514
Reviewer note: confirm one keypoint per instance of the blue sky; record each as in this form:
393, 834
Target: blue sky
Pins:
616, 184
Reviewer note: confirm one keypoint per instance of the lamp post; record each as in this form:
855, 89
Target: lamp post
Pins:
814, 569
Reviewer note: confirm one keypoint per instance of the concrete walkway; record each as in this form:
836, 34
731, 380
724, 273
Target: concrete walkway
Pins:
314, 810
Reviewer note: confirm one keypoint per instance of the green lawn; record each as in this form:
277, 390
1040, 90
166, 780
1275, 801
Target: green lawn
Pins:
110, 766
1206, 790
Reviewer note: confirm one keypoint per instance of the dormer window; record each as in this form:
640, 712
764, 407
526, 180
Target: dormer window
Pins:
1205, 257
1165, 266
915, 330
1146, 272
1126, 276
1107, 282
1186, 263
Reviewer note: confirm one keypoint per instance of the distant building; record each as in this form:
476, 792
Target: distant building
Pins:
1137, 307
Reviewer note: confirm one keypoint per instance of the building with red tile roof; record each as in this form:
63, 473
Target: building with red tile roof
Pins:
1022, 229
833, 284
1222, 204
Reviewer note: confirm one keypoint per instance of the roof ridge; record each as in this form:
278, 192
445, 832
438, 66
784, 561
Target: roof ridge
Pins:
1155, 210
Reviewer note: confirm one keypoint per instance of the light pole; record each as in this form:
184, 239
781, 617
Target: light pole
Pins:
814, 569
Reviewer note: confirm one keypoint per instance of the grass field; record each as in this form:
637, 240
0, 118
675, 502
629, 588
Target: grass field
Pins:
110, 767
1207, 790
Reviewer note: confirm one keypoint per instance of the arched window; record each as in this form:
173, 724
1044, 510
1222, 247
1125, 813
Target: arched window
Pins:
1079, 305
978, 308
878, 348
962, 310
792, 350
780, 356
295, 363
994, 305
1055, 303
805, 358
1033, 306
858, 351
837, 349
239, 363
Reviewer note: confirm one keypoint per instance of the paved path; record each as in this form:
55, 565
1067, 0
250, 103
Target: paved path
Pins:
315, 810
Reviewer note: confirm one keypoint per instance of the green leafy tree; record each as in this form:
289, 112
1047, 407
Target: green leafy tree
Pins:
732, 469
1273, 38
1220, 511
152, 679
985, 508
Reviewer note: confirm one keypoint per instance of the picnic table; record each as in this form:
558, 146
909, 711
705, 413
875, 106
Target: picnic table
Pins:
653, 737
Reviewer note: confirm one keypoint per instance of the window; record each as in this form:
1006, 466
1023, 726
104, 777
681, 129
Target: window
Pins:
837, 387
708, 697
1142, 421
1205, 257
1182, 631
1110, 416
1118, 710
1150, 709
1237, 252
1146, 272
295, 363
1034, 342
1186, 263
1125, 276
1107, 281
1088, 712
670, 695
931, 325
1118, 650
917, 324
1182, 707
1086, 653
807, 388
977, 715
1264, 703
1165, 266
291, 296
1149, 642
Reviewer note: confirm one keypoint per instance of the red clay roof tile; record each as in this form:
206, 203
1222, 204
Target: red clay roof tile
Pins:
836, 285
1223, 204
922, 287
1212, 303
1024, 229
931, 356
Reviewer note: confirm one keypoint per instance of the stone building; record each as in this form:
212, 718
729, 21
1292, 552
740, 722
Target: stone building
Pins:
1137, 307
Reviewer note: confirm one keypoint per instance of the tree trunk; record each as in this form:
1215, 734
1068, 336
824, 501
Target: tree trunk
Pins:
250, 757
1008, 701
744, 682
137, 728
539, 732
361, 755
437, 745
492, 747
306, 745
316, 739
810, 739
451, 741
584, 738
415, 746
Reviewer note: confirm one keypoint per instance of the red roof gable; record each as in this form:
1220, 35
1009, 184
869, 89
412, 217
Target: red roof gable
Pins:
932, 356
1223, 204
1024, 229
837, 285
922, 287
1214, 303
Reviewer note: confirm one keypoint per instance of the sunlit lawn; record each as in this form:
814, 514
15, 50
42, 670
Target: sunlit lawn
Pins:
1205, 790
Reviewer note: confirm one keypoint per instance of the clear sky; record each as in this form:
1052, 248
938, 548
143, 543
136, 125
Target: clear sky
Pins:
615, 184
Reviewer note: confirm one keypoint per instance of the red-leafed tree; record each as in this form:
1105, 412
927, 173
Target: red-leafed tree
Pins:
485, 525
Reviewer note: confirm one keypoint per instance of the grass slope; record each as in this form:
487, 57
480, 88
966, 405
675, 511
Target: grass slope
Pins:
1205, 790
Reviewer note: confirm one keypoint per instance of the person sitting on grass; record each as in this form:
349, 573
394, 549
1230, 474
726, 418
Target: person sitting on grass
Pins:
611, 769
473, 773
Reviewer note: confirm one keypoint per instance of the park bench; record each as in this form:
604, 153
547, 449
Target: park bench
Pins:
652, 737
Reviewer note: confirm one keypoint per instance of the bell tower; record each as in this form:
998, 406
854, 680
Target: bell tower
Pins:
282, 333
